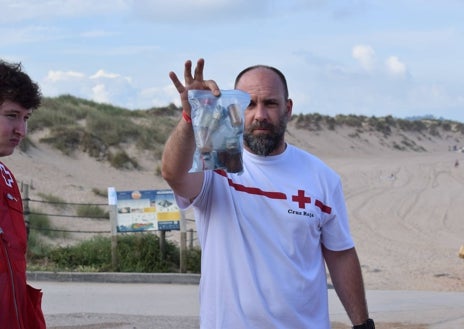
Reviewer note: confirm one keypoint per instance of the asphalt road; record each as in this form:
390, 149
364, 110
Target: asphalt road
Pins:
92, 305
100, 305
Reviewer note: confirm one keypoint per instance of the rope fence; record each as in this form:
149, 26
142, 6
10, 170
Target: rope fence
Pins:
94, 211
68, 205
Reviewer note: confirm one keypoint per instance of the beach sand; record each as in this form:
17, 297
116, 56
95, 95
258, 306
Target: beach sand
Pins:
406, 208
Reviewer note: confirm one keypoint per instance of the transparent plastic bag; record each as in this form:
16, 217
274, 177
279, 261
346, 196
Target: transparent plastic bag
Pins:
218, 129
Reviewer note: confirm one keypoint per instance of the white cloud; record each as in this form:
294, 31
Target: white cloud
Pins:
103, 74
101, 87
112, 88
395, 67
156, 97
100, 94
63, 82
56, 76
365, 55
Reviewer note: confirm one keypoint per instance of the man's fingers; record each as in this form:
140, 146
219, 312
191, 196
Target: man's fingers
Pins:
212, 85
188, 72
196, 81
199, 70
175, 80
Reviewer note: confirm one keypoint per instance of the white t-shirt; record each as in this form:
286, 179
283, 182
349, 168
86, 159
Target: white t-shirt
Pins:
261, 234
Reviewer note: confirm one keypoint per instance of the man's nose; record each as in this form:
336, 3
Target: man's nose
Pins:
21, 128
261, 112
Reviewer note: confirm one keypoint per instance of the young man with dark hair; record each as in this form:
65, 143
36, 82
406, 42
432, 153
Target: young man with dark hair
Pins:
20, 304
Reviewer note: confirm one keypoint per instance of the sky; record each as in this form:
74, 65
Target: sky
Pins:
364, 57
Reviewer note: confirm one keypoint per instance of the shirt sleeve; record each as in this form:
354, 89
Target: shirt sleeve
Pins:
336, 234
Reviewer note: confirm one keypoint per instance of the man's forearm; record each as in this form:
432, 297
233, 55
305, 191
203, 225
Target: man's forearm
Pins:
178, 152
346, 276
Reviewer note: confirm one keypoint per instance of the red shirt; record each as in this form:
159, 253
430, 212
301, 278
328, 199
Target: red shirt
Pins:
17, 310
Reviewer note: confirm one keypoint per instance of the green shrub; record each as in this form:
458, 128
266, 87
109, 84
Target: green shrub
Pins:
67, 139
92, 253
135, 253
54, 200
350, 120
40, 227
121, 160
41, 224
52, 113
26, 144
141, 253
76, 123
37, 248
91, 211
100, 192
193, 262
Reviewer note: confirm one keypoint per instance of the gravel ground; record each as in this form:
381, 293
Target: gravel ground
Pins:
121, 321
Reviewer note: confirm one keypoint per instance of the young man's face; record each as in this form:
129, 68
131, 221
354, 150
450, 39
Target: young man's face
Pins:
13, 126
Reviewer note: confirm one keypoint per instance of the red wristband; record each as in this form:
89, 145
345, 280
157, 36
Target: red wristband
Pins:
186, 117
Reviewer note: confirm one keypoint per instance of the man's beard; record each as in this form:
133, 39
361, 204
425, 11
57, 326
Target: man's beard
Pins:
265, 144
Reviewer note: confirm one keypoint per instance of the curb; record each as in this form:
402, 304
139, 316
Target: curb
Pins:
115, 277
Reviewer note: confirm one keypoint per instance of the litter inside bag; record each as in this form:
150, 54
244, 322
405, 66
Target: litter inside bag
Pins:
218, 129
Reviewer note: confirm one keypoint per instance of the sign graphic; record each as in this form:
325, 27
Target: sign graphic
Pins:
147, 210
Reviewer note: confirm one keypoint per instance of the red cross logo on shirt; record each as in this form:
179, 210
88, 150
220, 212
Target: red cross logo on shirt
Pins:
301, 199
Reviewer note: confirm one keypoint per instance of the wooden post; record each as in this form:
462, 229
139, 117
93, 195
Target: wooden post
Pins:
162, 246
114, 237
191, 239
183, 244
26, 210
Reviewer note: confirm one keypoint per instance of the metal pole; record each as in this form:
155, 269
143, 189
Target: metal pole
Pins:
113, 211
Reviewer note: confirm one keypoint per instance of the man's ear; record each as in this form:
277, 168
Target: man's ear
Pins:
289, 106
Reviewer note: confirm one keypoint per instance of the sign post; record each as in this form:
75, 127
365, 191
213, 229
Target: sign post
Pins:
143, 210
112, 203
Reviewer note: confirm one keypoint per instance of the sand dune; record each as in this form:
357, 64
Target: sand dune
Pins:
406, 208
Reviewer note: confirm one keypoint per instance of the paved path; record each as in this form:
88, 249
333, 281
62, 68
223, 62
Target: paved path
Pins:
96, 305
92, 305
